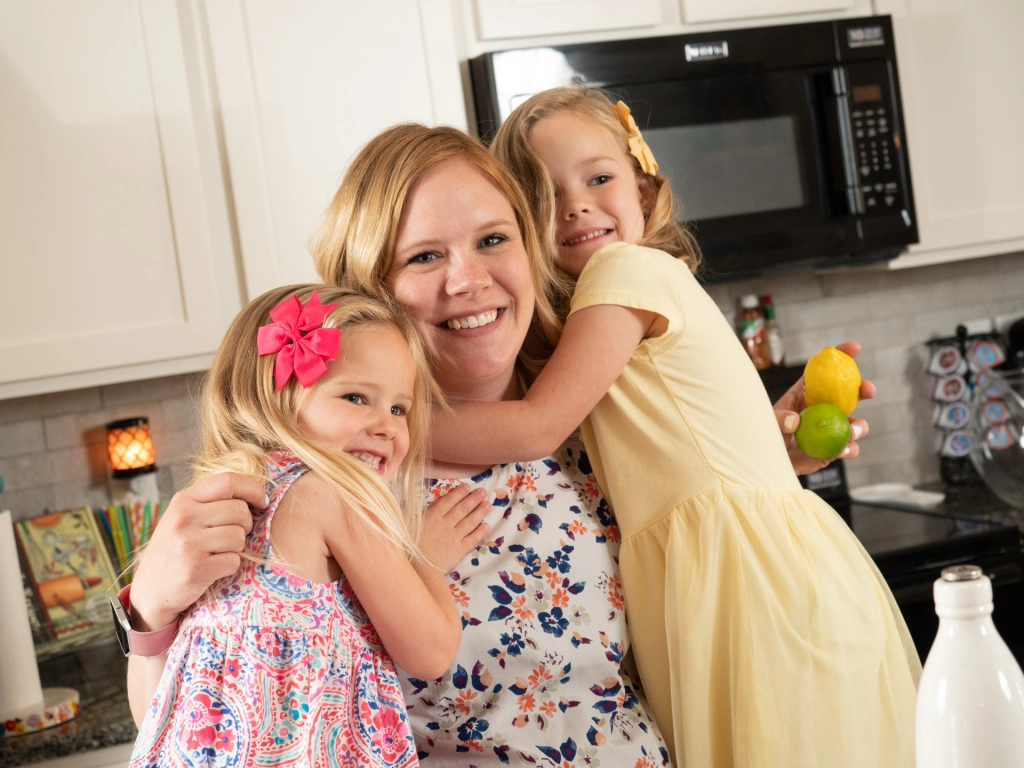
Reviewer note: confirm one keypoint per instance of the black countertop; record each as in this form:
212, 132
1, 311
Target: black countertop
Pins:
911, 548
97, 672
975, 501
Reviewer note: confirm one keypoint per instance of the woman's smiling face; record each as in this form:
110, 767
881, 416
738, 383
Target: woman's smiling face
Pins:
462, 272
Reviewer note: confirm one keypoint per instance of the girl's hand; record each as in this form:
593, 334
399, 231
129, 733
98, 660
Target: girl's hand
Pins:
452, 526
197, 542
787, 411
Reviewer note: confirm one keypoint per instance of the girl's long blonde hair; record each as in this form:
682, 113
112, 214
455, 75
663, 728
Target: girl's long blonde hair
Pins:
244, 418
355, 241
511, 146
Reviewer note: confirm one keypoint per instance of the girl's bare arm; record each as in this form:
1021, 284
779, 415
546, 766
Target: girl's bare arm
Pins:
409, 604
596, 344
195, 544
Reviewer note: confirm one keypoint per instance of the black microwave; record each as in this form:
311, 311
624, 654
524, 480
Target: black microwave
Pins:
784, 145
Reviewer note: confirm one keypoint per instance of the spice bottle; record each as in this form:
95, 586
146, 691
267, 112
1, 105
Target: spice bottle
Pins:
970, 702
773, 332
752, 332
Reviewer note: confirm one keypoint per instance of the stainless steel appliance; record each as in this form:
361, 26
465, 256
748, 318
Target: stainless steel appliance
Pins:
784, 144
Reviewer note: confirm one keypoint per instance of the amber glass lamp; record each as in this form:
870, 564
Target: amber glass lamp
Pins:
132, 461
130, 447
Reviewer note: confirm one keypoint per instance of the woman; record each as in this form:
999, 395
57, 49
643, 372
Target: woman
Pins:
429, 215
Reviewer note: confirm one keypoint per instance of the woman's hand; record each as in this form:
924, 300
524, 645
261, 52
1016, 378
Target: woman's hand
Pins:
197, 542
787, 411
453, 525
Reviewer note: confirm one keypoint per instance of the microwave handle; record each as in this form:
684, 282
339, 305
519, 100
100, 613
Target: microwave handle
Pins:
841, 150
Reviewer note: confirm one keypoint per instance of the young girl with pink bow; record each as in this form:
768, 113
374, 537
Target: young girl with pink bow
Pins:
323, 393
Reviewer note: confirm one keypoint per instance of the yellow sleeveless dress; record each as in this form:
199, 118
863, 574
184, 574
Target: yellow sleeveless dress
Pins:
764, 634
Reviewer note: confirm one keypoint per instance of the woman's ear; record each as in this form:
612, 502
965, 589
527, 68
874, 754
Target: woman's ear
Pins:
648, 194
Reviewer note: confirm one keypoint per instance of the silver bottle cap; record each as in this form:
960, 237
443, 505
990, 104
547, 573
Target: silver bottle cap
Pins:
962, 573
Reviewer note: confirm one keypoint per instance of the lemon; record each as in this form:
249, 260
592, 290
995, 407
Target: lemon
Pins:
832, 377
824, 431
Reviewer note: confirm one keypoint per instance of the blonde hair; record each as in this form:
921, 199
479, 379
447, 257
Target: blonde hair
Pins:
511, 146
244, 418
355, 241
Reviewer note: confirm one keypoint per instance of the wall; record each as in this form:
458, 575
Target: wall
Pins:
52, 447
892, 314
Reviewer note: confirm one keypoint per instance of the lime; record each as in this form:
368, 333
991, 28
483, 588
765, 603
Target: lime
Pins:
832, 376
824, 431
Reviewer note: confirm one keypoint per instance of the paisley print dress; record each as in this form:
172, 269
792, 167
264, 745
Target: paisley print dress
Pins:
538, 678
271, 669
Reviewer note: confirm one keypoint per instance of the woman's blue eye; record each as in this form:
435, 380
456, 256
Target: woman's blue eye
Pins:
423, 258
398, 410
354, 399
492, 240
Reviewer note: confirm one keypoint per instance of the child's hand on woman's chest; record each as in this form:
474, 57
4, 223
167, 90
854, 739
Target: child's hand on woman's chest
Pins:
452, 525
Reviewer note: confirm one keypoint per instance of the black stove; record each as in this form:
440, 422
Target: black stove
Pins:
908, 544
911, 548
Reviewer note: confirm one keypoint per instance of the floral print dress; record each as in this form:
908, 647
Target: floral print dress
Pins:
271, 669
538, 678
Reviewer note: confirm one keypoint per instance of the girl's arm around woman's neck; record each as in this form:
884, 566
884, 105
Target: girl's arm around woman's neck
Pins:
596, 344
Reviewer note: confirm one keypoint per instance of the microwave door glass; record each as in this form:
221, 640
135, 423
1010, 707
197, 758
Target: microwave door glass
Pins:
731, 168
747, 158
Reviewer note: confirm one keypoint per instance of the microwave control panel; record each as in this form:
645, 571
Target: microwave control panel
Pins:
876, 144
879, 189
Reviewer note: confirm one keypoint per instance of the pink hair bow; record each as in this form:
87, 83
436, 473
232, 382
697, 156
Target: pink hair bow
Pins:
302, 345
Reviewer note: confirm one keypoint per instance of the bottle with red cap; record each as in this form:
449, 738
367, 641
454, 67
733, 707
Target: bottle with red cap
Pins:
752, 332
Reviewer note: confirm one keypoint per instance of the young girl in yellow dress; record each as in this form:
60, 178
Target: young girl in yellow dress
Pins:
764, 634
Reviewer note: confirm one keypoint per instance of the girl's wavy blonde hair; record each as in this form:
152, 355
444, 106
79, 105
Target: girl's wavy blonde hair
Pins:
355, 241
244, 418
511, 146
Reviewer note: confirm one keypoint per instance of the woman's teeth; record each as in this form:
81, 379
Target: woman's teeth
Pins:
591, 236
473, 321
369, 459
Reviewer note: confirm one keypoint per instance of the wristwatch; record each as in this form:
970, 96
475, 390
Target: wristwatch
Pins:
139, 643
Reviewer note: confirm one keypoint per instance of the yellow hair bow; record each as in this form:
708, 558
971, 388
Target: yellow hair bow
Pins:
637, 146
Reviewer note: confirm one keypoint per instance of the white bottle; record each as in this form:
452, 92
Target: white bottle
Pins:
970, 704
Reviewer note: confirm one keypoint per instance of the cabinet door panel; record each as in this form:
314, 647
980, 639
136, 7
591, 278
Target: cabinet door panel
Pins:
499, 19
302, 86
960, 68
696, 11
103, 224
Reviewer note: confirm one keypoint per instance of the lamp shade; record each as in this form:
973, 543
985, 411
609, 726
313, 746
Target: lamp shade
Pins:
130, 447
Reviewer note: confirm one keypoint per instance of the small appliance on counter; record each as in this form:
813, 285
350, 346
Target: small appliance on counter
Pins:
784, 144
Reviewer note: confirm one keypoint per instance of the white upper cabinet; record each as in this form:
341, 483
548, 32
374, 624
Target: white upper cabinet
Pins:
302, 86
161, 161
116, 252
699, 11
962, 76
490, 25
498, 19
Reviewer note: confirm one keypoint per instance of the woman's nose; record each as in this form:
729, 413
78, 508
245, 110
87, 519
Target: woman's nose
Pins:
466, 275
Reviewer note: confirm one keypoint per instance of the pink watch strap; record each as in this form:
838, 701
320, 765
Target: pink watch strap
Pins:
147, 643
